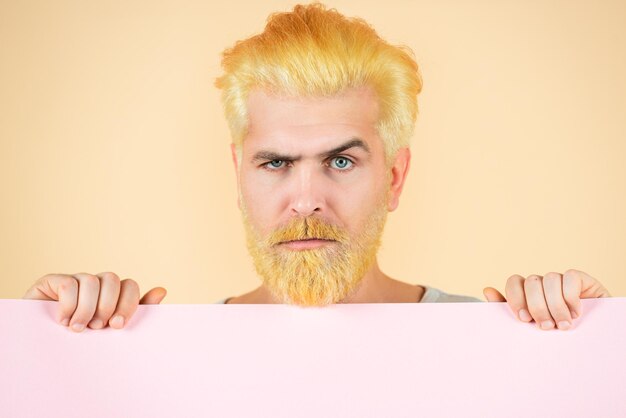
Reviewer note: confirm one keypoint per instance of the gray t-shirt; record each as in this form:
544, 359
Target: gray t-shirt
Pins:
431, 295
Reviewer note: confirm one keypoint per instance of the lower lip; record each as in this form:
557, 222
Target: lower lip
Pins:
306, 244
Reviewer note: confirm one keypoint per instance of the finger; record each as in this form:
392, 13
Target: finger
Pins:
67, 291
60, 287
578, 284
107, 301
126, 305
154, 296
553, 292
492, 295
47, 287
536, 300
516, 297
42, 289
88, 291
590, 287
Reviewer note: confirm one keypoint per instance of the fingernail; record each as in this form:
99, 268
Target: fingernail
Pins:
78, 327
65, 322
564, 325
117, 321
547, 324
96, 323
524, 315
574, 315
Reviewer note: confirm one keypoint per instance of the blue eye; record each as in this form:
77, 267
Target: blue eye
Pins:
337, 163
275, 163
342, 163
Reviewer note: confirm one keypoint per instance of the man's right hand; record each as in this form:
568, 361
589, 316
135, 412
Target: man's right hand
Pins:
93, 300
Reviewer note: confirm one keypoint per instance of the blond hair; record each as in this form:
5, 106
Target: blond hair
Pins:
315, 51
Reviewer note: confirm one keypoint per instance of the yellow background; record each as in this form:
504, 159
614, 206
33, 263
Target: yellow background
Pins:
114, 153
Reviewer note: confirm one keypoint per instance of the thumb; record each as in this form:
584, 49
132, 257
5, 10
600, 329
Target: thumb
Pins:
492, 295
154, 296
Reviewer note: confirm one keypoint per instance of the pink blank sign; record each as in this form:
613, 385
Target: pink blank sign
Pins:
345, 360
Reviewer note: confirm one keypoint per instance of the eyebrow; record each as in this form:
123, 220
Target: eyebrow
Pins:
272, 155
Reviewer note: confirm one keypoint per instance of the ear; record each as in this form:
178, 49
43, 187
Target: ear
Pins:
233, 152
399, 171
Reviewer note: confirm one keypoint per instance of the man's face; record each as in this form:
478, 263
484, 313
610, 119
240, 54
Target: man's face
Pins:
313, 190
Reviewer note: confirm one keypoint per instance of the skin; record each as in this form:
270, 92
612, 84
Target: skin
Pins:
315, 185
312, 185
93, 300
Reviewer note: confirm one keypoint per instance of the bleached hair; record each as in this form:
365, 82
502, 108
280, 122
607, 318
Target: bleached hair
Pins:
314, 51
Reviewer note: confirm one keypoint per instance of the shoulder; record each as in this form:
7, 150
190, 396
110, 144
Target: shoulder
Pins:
434, 295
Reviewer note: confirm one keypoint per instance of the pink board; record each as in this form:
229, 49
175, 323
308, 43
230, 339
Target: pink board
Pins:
346, 360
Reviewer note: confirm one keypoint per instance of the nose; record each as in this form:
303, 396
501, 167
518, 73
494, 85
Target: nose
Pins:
308, 194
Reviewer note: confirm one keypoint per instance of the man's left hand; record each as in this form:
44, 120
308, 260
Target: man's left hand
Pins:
553, 298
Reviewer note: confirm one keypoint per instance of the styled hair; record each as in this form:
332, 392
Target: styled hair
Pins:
314, 51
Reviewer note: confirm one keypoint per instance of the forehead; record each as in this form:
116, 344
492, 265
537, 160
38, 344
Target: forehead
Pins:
313, 122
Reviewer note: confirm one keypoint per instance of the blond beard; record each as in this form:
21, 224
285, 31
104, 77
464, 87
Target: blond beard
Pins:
317, 276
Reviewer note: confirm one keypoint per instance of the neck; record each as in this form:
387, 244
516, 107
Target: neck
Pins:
375, 287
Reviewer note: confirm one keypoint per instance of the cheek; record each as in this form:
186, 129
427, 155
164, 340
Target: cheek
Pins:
260, 204
356, 205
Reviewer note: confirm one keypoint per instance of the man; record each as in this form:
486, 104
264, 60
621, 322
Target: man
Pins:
321, 111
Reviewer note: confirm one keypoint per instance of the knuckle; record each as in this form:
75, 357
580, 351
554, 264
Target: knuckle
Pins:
514, 288
91, 280
569, 278
68, 283
109, 275
551, 281
130, 284
513, 280
551, 276
514, 277
569, 287
571, 273
531, 282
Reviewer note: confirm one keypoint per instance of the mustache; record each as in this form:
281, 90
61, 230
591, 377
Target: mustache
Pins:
307, 228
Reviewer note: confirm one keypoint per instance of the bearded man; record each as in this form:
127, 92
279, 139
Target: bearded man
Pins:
321, 112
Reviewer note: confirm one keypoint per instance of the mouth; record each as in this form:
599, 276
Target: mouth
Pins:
308, 243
